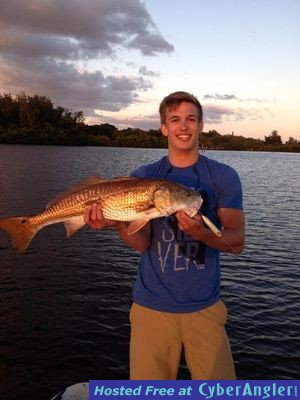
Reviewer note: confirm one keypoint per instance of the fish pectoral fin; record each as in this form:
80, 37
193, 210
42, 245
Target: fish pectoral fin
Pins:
136, 225
85, 183
73, 225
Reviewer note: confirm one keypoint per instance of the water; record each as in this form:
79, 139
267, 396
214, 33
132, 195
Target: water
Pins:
64, 303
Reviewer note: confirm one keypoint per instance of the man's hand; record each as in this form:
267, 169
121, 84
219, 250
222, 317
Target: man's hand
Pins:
192, 226
233, 232
94, 218
139, 241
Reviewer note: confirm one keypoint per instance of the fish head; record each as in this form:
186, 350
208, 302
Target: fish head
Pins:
173, 197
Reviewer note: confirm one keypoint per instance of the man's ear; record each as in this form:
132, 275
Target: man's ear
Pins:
164, 130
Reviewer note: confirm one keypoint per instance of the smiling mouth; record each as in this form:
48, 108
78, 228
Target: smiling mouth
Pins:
184, 137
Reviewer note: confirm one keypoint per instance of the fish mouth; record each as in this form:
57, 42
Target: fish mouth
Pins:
193, 208
191, 212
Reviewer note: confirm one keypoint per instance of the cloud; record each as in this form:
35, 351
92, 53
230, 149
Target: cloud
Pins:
146, 72
217, 96
151, 44
91, 26
43, 42
216, 114
145, 122
66, 85
213, 114
256, 100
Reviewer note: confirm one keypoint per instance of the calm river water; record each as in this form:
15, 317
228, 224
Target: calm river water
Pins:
64, 303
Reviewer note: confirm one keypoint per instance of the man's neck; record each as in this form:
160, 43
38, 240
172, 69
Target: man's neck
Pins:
183, 159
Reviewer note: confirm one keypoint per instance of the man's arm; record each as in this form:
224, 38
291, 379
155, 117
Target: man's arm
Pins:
233, 232
139, 241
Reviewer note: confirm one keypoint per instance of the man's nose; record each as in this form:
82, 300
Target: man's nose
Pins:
183, 125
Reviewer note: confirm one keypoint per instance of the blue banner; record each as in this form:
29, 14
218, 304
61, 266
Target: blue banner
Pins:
194, 390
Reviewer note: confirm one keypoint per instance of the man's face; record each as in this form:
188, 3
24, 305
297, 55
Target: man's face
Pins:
182, 127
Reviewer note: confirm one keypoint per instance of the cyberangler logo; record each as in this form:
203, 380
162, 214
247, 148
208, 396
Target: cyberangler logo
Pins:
253, 390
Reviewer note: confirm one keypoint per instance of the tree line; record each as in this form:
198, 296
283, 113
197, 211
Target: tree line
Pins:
34, 119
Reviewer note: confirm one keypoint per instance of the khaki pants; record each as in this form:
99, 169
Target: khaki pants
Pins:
157, 339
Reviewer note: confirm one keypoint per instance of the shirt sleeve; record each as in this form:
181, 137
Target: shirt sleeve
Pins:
140, 172
230, 194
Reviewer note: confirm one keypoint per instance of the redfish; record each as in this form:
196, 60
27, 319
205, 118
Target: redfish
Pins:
134, 200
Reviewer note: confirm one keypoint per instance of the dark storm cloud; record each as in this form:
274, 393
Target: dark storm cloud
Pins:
41, 42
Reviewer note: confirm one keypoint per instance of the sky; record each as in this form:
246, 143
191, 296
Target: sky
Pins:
116, 59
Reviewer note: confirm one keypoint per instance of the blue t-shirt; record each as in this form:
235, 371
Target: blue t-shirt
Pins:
177, 273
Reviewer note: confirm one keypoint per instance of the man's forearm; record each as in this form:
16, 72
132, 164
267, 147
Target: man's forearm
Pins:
231, 241
139, 241
232, 237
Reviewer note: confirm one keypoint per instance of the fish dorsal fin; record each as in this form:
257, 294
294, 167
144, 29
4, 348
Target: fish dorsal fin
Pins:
136, 225
124, 178
85, 183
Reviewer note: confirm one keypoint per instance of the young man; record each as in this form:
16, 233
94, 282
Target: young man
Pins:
176, 301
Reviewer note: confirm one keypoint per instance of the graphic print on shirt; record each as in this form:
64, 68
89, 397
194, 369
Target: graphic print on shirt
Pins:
179, 249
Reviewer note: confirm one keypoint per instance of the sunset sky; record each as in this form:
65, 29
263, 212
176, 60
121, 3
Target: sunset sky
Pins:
116, 59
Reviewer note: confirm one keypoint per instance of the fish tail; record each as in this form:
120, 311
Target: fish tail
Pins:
20, 230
